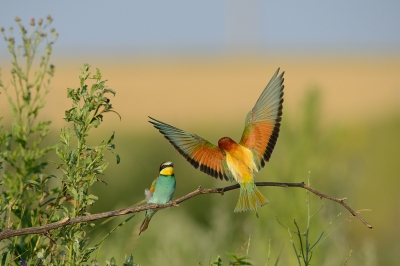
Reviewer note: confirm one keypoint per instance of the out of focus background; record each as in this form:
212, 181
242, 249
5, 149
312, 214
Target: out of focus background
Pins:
200, 66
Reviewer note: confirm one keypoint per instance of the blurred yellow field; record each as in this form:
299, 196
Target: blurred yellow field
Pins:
225, 88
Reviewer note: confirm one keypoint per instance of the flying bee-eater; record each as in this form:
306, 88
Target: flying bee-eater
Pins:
231, 160
161, 191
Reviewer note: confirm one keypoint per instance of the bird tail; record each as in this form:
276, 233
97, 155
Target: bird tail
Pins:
250, 198
146, 221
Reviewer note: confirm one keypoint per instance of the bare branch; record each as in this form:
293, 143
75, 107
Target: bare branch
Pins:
6, 233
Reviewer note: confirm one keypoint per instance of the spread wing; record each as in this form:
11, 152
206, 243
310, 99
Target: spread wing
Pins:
263, 121
197, 151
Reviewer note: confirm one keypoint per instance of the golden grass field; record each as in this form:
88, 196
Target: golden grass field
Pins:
218, 89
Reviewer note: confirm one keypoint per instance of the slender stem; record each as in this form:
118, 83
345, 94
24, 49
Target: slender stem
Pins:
301, 243
294, 247
199, 191
308, 222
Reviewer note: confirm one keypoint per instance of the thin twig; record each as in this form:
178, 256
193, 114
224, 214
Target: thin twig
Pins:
6, 233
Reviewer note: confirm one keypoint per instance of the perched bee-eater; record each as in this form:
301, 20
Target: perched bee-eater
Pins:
230, 160
161, 191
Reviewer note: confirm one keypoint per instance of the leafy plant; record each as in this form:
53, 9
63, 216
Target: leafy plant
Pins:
2, 141
81, 163
25, 184
27, 199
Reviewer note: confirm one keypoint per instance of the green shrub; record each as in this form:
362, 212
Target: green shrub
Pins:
27, 198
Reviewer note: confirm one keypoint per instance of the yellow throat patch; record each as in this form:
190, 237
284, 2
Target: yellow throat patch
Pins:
167, 171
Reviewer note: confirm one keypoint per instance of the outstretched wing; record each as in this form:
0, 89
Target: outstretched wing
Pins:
263, 121
197, 151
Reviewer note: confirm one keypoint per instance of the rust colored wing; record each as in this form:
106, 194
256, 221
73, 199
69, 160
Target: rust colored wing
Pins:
153, 185
263, 121
198, 152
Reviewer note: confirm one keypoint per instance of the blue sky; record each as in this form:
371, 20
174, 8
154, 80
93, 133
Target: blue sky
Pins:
157, 27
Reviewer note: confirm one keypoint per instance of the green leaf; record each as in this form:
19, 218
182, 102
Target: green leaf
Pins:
72, 157
40, 254
46, 202
33, 183
40, 126
101, 181
60, 154
70, 93
111, 138
76, 246
48, 177
238, 260
129, 261
38, 168
112, 262
97, 75
110, 91
101, 84
78, 134
21, 140
65, 137
88, 177
91, 199
118, 158
217, 261
95, 122
83, 91
87, 252
74, 192
69, 114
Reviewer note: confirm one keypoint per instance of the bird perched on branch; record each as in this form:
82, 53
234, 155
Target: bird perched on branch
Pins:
231, 160
161, 191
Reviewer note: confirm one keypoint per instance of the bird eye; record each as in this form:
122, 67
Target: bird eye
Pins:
165, 165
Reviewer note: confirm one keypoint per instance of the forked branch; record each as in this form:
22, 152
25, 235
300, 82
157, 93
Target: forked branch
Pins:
6, 233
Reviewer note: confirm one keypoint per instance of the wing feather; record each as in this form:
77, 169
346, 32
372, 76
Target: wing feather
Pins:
199, 152
262, 123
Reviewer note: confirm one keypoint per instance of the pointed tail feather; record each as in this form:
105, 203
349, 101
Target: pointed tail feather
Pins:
146, 221
250, 198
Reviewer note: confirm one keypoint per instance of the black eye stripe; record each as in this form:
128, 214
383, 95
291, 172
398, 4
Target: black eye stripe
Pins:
163, 166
